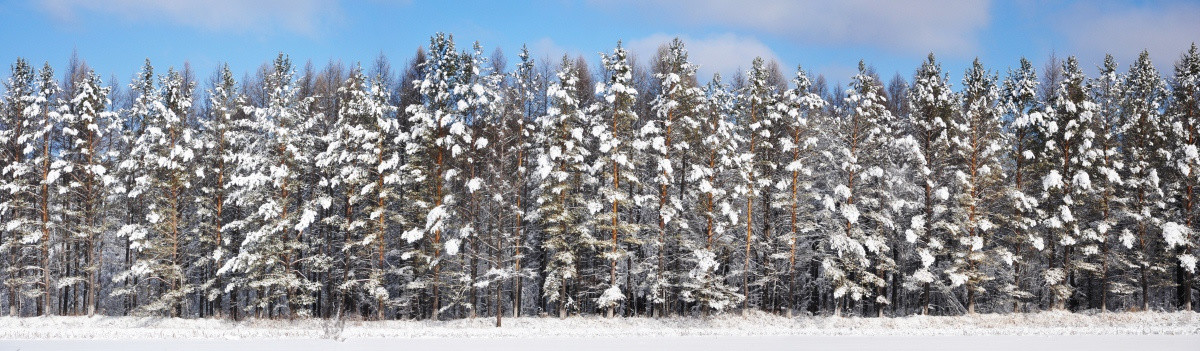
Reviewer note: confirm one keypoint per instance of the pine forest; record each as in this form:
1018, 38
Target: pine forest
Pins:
460, 185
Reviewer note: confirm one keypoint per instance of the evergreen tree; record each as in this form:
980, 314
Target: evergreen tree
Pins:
797, 145
436, 138
670, 132
931, 103
856, 182
363, 169
1185, 141
84, 163
755, 103
977, 145
1068, 142
705, 283
165, 150
1023, 115
1143, 146
618, 150
217, 163
19, 94
23, 128
561, 208
266, 184
1106, 91
522, 96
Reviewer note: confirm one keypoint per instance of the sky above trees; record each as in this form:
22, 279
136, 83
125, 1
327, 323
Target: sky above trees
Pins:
826, 37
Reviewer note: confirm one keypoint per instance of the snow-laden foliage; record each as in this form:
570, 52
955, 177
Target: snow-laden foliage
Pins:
618, 155
461, 188
1068, 142
33, 110
859, 256
672, 134
932, 105
561, 171
978, 144
266, 184
165, 153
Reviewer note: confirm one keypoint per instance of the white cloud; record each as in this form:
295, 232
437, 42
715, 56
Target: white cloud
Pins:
299, 16
910, 27
1094, 28
724, 53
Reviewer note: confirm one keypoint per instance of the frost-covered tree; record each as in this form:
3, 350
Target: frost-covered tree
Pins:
1140, 97
164, 154
482, 107
977, 142
501, 144
50, 105
265, 184
931, 105
855, 242
17, 184
756, 166
1106, 90
146, 100
1068, 151
23, 128
522, 97
435, 141
670, 133
217, 162
717, 149
363, 173
561, 208
1023, 116
1184, 136
86, 125
617, 156
797, 142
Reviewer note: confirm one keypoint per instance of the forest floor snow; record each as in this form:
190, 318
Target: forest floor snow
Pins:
727, 325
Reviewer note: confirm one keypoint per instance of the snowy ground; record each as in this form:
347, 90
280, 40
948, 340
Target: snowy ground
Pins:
1049, 331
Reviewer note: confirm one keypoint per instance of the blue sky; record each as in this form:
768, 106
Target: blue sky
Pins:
829, 37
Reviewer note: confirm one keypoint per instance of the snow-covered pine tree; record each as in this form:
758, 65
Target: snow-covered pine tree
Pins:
618, 150
522, 97
561, 208
481, 108
797, 141
84, 163
435, 141
48, 108
216, 164
18, 184
977, 142
755, 106
717, 151
1106, 197
164, 151
265, 184
1068, 150
856, 182
670, 132
931, 105
498, 126
777, 124
361, 164
133, 224
1019, 226
1142, 202
1184, 135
